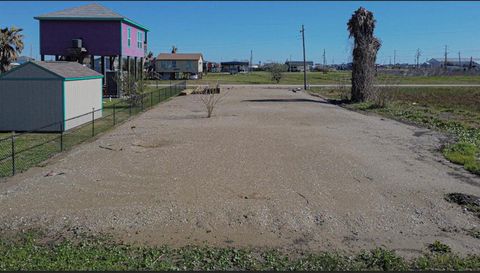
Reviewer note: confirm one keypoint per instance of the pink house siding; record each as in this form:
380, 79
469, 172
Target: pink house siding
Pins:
132, 50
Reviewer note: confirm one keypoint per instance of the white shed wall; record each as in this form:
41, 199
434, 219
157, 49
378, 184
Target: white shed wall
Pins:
80, 97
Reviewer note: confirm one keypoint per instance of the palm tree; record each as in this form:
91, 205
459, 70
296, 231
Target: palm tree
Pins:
366, 46
11, 45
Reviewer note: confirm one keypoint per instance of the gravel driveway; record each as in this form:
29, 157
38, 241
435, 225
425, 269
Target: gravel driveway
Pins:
272, 168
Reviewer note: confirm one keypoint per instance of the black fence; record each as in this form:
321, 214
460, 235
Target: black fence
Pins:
20, 151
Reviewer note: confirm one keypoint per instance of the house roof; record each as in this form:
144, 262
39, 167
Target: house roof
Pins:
66, 70
298, 62
179, 56
87, 12
234, 63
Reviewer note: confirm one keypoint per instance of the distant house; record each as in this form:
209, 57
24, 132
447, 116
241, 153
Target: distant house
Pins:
452, 63
296, 66
234, 67
49, 96
211, 67
82, 33
171, 66
24, 59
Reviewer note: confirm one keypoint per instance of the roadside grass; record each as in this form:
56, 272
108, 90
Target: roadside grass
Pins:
33, 148
453, 110
316, 77
33, 250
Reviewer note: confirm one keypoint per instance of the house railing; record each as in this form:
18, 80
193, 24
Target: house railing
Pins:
20, 151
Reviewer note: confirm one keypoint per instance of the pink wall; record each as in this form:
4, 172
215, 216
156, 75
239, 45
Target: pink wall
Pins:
133, 50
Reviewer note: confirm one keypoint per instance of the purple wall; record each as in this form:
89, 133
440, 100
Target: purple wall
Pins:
133, 50
99, 37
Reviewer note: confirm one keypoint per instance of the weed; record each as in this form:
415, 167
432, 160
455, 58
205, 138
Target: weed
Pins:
438, 247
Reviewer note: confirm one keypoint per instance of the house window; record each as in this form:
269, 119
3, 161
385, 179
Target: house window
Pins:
174, 64
139, 39
129, 40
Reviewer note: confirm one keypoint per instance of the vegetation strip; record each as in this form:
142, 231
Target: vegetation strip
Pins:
34, 251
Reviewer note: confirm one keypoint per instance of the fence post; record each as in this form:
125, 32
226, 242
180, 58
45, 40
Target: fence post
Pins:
13, 153
151, 99
93, 121
158, 91
170, 89
143, 97
114, 107
61, 137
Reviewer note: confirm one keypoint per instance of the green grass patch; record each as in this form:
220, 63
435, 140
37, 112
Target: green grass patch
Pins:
317, 77
465, 154
34, 251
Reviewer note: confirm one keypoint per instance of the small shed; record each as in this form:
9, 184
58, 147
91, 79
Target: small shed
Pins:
49, 96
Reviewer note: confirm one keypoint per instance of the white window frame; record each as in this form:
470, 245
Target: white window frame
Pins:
139, 39
129, 36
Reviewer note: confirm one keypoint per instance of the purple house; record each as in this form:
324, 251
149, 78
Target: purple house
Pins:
85, 32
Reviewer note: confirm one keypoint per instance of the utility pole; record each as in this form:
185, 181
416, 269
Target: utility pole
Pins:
324, 59
394, 57
390, 61
470, 66
304, 60
418, 56
446, 54
459, 60
251, 59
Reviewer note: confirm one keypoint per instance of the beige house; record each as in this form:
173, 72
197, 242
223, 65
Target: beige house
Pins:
179, 65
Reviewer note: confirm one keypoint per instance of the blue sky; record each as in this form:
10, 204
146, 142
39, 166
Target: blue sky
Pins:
225, 31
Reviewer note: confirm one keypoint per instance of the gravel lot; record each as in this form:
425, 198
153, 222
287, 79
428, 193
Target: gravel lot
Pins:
272, 168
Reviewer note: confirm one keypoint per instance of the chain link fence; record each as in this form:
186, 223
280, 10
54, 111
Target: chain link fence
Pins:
20, 151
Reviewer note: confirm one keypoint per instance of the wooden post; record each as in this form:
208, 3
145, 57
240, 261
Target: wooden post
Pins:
120, 66
135, 70
128, 65
92, 62
142, 64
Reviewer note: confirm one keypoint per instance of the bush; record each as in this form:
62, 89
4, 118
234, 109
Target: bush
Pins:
276, 71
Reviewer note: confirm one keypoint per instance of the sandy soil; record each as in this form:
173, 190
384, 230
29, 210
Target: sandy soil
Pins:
272, 168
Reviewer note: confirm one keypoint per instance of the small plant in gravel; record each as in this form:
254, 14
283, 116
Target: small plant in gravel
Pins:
438, 247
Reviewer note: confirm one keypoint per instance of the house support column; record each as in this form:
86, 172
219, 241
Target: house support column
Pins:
92, 62
141, 67
119, 74
135, 65
102, 68
128, 65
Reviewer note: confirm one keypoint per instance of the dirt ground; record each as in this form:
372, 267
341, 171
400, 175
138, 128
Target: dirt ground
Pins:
272, 168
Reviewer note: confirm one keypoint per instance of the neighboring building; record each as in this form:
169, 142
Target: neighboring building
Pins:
46, 96
171, 66
211, 67
81, 33
295, 66
453, 63
234, 67
24, 59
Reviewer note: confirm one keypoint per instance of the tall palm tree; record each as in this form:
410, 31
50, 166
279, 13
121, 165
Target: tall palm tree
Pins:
366, 46
11, 45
